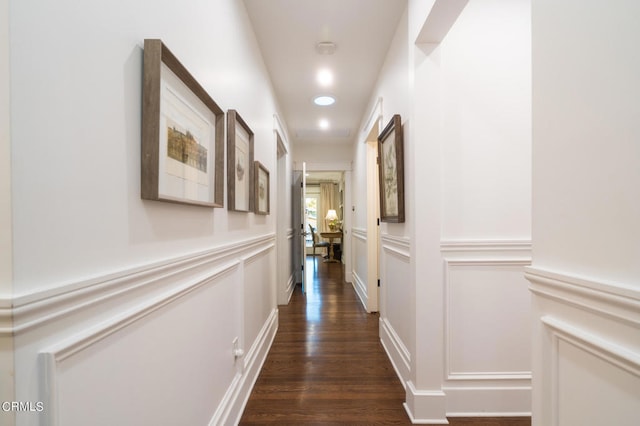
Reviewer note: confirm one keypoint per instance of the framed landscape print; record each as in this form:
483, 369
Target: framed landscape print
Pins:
391, 172
261, 188
240, 169
182, 134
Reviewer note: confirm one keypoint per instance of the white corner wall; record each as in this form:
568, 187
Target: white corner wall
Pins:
585, 272
6, 244
454, 303
125, 309
485, 80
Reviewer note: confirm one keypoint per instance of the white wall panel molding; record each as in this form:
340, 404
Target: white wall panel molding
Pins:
398, 246
487, 328
6, 317
486, 262
291, 281
359, 272
361, 288
462, 246
79, 342
586, 366
501, 261
359, 234
53, 357
290, 287
396, 292
396, 350
256, 254
618, 301
613, 353
36, 308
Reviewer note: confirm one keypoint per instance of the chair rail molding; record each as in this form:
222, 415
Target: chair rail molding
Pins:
34, 309
617, 301
398, 246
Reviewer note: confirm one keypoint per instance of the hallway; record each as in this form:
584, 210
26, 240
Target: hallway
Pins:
327, 366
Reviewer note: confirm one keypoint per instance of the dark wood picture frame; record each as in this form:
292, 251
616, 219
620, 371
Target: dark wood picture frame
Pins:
182, 134
391, 171
240, 169
261, 188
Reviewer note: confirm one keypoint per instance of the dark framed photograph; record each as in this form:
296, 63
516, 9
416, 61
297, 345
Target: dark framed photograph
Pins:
261, 186
391, 171
182, 134
240, 169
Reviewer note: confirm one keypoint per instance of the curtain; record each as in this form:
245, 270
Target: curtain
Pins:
327, 202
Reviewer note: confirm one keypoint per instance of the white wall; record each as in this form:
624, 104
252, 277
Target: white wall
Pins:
6, 245
586, 206
465, 104
325, 154
90, 93
486, 126
115, 293
393, 88
485, 85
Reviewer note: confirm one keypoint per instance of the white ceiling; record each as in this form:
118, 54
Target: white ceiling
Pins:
288, 32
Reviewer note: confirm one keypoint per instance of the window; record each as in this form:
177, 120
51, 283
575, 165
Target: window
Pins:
311, 208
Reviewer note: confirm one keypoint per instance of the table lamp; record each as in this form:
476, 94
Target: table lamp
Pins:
332, 217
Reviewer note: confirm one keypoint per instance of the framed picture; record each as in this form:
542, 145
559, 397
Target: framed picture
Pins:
182, 134
391, 171
261, 186
240, 170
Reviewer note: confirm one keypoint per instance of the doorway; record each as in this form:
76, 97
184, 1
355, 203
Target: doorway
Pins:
373, 218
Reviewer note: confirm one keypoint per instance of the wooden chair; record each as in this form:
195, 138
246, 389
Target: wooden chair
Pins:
316, 241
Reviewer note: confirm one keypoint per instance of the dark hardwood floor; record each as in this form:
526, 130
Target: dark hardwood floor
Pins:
327, 366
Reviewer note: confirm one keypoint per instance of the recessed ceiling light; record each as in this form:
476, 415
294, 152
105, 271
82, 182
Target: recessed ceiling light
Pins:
324, 77
324, 124
324, 100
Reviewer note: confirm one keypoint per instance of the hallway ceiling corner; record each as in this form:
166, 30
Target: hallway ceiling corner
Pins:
288, 33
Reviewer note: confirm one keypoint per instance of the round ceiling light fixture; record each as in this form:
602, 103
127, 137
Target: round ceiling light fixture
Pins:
324, 100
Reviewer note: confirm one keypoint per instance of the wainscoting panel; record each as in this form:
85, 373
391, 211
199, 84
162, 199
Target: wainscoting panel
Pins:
166, 356
396, 290
487, 316
359, 256
585, 368
259, 270
586, 350
286, 277
487, 328
171, 343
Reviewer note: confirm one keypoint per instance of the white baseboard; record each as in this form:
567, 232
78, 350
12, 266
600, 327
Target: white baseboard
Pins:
426, 406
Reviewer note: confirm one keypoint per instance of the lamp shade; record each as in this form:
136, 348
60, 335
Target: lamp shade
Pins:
331, 215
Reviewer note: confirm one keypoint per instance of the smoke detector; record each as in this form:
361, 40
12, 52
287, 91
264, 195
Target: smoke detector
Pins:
326, 48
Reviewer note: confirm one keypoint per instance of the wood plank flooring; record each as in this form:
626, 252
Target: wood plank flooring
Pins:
327, 366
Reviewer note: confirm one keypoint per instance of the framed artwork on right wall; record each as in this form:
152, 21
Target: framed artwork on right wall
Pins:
391, 171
